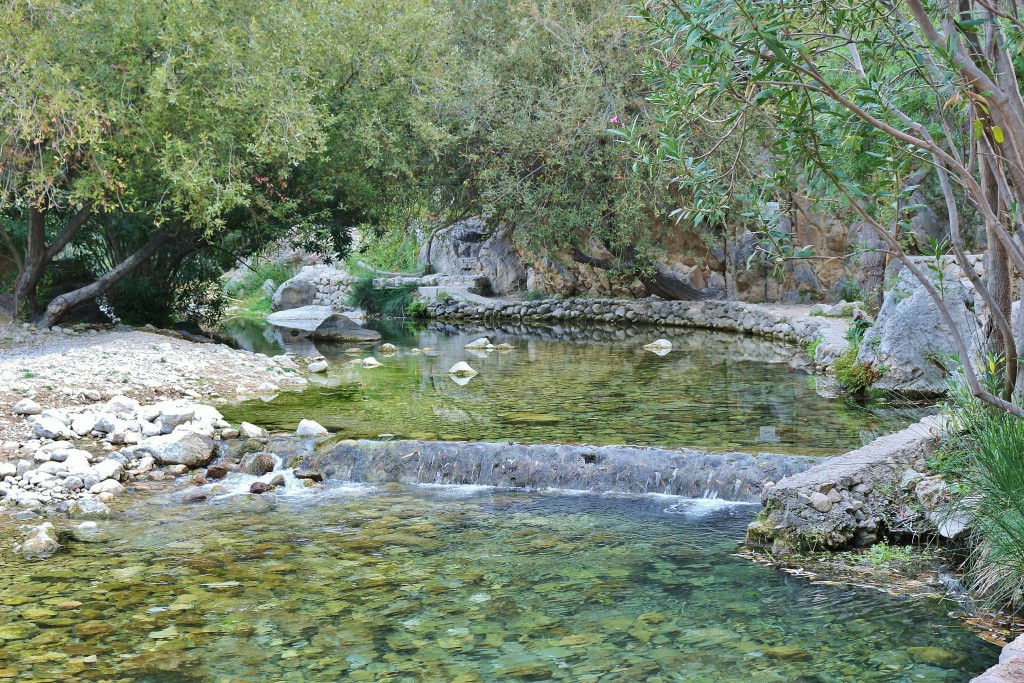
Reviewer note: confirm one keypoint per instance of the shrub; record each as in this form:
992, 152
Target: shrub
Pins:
812, 348
417, 308
855, 377
884, 555
391, 302
534, 295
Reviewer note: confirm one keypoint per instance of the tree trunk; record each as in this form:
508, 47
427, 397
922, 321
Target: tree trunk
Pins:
38, 255
65, 302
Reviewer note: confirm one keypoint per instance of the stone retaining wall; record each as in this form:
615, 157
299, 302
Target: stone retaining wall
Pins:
732, 316
843, 501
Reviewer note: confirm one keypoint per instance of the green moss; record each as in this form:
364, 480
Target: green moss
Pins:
812, 348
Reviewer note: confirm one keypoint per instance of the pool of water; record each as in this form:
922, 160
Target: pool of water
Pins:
715, 391
433, 584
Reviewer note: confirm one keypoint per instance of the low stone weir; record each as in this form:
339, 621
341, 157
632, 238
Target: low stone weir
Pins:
843, 501
620, 469
733, 316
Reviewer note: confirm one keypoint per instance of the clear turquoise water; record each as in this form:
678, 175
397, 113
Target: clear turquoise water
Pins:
416, 584
714, 391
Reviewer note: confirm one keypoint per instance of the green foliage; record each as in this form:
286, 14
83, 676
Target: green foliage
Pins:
246, 292
848, 290
390, 302
855, 333
393, 249
890, 556
855, 377
417, 308
534, 295
812, 348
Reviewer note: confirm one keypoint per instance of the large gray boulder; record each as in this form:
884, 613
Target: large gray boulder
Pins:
910, 345
297, 292
180, 448
470, 248
337, 327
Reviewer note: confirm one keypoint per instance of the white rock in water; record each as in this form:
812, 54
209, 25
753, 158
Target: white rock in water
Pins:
388, 349
251, 431
108, 486
27, 406
267, 388
109, 469
371, 362
318, 366
310, 428
659, 345
83, 424
41, 542
481, 343
462, 369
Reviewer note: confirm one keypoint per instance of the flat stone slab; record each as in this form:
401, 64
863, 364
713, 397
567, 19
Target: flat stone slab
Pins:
305, 318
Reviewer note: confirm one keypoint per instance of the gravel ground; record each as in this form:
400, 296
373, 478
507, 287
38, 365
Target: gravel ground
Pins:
75, 367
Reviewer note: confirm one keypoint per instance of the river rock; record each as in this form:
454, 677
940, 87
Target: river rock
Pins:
371, 362
40, 543
260, 487
180, 448
251, 431
214, 472
109, 469
462, 369
50, 428
259, 464
121, 405
88, 506
481, 343
172, 416
317, 366
27, 406
194, 496
8, 469
930, 492
108, 486
312, 475
338, 327
659, 345
310, 428
820, 502
388, 349
83, 423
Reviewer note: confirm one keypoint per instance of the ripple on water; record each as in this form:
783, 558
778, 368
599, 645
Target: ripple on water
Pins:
413, 584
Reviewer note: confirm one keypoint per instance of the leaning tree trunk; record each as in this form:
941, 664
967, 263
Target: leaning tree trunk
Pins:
60, 305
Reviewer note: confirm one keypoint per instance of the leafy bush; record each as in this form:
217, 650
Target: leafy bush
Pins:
247, 293
884, 555
390, 302
855, 377
855, 333
534, 295
417, 308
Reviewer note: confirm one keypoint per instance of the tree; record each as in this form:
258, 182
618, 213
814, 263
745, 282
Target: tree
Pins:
194, 125
912, 85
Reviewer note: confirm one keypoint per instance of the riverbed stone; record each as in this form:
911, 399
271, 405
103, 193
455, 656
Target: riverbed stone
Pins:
40, 543
338, 328
27, 406
820, 501
310, 428
317, 366
50, 428
180, 448
258, 464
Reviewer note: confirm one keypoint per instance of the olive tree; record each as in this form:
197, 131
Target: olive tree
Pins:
918, 86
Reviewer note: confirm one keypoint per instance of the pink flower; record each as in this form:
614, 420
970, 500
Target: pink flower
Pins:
614, 119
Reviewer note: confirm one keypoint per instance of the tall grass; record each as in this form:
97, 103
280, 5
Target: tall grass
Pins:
390, 303
986, 452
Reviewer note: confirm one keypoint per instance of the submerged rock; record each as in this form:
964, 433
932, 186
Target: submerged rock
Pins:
258, 464
659, 346
40, 543
481, 343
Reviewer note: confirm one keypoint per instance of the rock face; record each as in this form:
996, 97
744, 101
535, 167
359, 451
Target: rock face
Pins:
910, 344
842, 501
469, 248
337, 328
180, 448
1010, 668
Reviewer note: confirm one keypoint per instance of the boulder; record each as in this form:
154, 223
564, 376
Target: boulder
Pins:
259, 464
910, 344
40, 543
317, 366
179, 448
469, 247
297, 292
310, 428
251, 431
27, 406
109, 469
462, 369
50, 428
481, 343
88, 506
121, 404
338, 327
304, 319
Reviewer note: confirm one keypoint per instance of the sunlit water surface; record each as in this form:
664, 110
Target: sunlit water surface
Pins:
436, 584
715, 391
